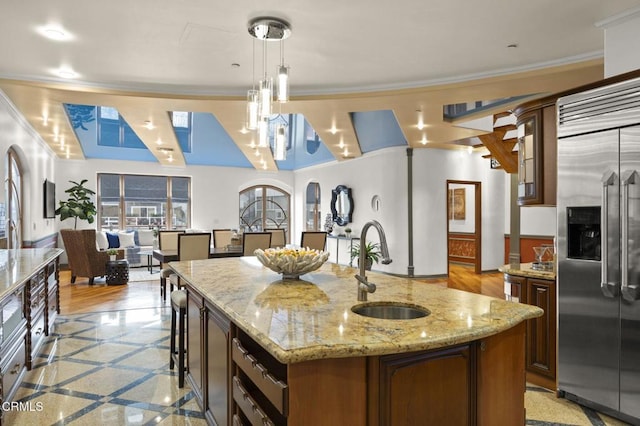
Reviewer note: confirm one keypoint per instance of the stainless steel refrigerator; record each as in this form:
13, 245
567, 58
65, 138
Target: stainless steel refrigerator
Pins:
598, 249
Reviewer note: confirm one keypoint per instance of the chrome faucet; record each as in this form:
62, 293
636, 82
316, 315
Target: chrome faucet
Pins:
364, 286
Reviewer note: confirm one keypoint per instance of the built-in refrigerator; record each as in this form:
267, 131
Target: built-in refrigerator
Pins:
598, 249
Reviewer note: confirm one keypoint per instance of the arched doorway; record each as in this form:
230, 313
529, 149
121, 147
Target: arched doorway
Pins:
14, 193
312, 207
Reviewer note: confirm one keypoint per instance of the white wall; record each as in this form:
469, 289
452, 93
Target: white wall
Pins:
622, 43
432, 169
37, 161
384, 173
214, 190
534, 220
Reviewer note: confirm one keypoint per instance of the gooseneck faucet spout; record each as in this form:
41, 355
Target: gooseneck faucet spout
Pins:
364, 286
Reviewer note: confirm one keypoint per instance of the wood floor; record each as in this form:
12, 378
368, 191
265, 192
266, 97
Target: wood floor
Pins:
84, 298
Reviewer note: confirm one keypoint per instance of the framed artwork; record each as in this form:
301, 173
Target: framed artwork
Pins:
457, 207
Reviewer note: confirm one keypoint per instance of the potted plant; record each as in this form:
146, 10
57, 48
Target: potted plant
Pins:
79, 205
372, 254
112, 254
347, 232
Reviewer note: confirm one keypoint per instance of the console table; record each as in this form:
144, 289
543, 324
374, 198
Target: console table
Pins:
348, 240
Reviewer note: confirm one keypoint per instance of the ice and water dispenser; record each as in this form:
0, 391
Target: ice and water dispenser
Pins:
583, 233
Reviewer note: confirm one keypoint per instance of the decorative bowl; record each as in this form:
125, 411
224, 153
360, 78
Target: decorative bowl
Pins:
291, 263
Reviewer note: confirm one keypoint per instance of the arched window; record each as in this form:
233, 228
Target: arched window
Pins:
263, 207
312, 207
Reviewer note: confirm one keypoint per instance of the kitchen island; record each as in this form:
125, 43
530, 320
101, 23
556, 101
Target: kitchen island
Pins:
29, 304
263, 350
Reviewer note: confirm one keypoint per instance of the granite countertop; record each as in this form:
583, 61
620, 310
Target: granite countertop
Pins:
525, 270
311, 318
17, 266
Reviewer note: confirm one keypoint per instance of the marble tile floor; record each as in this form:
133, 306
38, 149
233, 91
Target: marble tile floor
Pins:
112, 368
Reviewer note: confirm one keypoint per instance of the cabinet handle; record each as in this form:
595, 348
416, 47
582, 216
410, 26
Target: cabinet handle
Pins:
15, 369
39, 331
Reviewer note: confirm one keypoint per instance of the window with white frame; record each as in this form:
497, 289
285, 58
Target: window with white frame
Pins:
143, 201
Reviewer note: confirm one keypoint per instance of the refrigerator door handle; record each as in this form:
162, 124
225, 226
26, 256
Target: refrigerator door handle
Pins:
629, 291
608, 289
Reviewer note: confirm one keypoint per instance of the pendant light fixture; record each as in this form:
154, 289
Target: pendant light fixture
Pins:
259, 102
280, 144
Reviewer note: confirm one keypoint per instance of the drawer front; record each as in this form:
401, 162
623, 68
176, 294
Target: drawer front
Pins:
275, 390
37, 333
248, 405
13, 370
38, 297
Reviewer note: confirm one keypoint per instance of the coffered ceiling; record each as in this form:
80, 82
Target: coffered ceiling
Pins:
148, 57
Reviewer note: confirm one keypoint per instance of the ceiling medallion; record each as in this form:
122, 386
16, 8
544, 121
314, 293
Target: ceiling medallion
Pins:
268, 28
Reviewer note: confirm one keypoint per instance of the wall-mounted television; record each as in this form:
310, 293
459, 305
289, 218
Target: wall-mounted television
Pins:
49, 199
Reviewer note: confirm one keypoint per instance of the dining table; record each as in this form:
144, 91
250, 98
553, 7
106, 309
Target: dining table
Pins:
165, 256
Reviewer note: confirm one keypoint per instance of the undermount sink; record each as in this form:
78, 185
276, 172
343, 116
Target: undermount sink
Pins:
390, 310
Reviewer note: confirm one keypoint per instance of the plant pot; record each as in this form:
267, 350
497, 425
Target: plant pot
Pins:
112, 257
368, 263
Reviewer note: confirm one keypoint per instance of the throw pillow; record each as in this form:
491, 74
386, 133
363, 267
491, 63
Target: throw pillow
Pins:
126, 239
101, 239
114, 241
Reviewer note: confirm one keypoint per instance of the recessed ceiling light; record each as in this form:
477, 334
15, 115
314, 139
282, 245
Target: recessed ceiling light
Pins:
53, 32
148, 124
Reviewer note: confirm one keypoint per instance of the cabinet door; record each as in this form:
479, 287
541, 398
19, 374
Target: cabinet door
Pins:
529, 158
195, 326
217, 361
428, 388
541, 331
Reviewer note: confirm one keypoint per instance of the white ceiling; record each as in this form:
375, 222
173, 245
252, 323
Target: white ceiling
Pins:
342, 55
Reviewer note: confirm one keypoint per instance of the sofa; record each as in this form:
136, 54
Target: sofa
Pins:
131, 241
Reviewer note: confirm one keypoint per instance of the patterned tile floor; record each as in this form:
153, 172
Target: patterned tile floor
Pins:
111, 368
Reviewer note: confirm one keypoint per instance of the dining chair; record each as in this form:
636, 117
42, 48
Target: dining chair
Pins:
278, 237
191, 246
314, 240
222, 237
168, 240
255, 240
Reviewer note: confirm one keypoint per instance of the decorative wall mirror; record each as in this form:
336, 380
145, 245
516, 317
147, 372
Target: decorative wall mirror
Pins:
341, 205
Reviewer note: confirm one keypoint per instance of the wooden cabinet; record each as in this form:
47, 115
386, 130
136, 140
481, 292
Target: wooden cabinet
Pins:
541, 332
537, 157
208, 357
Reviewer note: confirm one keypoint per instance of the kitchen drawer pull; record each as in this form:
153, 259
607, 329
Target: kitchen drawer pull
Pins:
276, 391
15, 369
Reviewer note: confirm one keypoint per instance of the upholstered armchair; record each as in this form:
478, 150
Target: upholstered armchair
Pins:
85, 260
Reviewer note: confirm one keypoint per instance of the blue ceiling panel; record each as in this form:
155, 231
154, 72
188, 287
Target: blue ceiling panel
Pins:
377, 130
211, 145
85, 125
305, 147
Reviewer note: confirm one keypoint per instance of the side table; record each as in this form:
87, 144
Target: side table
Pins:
117, 272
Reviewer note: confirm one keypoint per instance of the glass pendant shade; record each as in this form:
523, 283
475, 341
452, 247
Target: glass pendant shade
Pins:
280, 146
266, 96
263, 133
252, 109
283, 83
